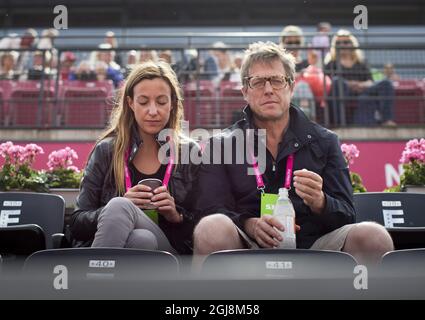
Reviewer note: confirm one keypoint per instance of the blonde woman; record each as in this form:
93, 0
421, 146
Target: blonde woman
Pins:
351, 77
110, 207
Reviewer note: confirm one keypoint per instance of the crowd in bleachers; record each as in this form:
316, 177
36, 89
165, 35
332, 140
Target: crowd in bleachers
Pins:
325, 88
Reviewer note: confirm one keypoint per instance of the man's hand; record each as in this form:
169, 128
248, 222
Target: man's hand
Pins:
263, 231
308, 186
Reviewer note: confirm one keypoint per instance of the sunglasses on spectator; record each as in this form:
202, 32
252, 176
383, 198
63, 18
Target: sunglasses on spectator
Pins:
292, 43
343, 42
277, 82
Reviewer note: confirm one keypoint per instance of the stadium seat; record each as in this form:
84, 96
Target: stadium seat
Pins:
29, 106
22, 240
400, 212
409, 262
105, 264
409, 105
200, 104
232, 103
84, 107
278, 264
30, 221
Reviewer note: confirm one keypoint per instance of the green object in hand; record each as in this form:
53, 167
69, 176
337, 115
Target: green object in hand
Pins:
152, 214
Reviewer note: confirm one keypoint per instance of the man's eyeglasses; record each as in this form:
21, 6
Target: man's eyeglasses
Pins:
277, 82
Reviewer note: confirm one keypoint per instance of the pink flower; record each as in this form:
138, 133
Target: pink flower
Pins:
4, 147
414, 150
29, 153
61, 159
16, 154
350, 152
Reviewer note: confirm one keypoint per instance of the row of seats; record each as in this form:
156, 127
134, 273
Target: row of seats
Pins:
30, 223
32, 214
74, 103
242, 274
89, 104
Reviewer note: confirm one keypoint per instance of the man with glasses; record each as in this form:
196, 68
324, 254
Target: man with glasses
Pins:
230, 200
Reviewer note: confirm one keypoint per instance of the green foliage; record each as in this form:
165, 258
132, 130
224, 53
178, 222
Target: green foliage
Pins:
64, 178
22, 177
414, 174
357, 183
395, 188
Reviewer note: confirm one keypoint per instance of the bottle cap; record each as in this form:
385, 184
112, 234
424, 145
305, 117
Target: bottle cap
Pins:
283, 192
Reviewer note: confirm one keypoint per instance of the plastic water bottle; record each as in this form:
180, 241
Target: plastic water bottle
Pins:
285, 213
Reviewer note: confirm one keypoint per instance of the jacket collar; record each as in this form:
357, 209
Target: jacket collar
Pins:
136, 142
300, 131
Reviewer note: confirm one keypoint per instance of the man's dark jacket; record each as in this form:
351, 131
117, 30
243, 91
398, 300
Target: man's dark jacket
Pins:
230, 190
98, 187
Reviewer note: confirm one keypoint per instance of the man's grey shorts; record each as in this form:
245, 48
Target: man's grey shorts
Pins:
334, 240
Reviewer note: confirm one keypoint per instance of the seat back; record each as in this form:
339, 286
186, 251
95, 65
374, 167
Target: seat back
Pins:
106, 264
29, 106
410, 262
200, 104
232, 103
22, 240
84, 107
278, 263
391, 209
409, 102
43, 209
400, 212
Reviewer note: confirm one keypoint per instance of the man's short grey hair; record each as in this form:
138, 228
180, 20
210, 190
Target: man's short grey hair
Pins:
267, 52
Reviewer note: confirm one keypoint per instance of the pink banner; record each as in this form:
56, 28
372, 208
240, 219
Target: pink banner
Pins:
377, 164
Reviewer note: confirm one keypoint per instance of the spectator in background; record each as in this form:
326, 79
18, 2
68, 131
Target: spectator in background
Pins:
131, 62
101, 71
7, 66
291, 39
38, 69
47, 42
114, 70
167, 56
113, 42
389, 72
67, 65
148, 55
187, 66
26, 42
209, 67
321, 41
347, 68
84, 72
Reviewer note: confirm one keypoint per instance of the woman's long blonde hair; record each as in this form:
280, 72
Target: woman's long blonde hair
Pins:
122, 118
357, 54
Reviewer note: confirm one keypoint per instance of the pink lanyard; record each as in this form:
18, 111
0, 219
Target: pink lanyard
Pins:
167, 175
258, 177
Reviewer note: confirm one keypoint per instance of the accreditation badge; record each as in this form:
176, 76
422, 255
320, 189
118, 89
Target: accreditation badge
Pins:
268, 201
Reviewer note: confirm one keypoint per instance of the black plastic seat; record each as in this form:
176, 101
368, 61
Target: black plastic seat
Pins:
278, 263
30, 222
402, 214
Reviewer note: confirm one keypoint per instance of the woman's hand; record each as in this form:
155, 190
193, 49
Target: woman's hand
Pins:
140, 195
166, 205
